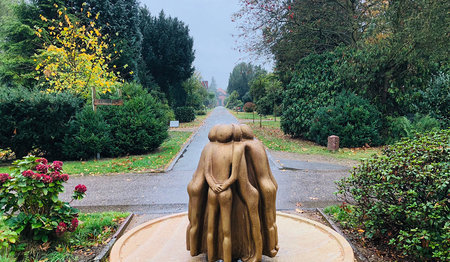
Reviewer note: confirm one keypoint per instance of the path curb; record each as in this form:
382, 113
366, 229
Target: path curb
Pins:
104, 253
358, 255
275, 162
181, 152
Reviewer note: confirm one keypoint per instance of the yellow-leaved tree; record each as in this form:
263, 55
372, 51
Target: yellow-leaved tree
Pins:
74, 57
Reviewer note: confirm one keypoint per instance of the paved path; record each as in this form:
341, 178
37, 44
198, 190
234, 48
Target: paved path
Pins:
311, 184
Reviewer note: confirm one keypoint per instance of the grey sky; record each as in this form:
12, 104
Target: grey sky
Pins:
210, 25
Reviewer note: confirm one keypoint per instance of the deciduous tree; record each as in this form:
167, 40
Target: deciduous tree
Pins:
73, 57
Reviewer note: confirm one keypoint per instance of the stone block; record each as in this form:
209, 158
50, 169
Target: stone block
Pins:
333, 143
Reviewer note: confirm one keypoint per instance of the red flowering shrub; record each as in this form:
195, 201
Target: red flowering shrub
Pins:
4, 178
80, 188
29, 199
249, 107
79, 192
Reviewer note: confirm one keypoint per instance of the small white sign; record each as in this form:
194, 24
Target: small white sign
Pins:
174, 123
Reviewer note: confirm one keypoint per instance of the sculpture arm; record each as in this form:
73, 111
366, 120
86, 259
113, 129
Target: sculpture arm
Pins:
235, 165
217, 188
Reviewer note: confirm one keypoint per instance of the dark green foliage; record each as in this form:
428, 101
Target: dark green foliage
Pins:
119, 19
241, 77
233, 102
35, 120
19, 42
167, 53
88, 134
435, 99
184, 114
267, 93
424, 124
196, 94
314, 27
314, 85
352, 118
398, 127
402, 197
200, 112
140, 125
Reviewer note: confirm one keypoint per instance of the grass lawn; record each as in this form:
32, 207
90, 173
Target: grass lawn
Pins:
94, 231
249, 115
272, 136
197, 122
153, 162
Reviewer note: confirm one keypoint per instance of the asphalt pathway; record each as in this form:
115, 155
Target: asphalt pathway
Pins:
305, 184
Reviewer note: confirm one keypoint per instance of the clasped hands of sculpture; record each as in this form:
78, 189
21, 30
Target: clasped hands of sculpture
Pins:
232, 197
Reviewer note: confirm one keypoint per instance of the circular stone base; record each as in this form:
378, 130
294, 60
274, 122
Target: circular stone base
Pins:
164, 239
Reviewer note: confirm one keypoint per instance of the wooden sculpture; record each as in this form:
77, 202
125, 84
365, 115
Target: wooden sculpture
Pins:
232, 198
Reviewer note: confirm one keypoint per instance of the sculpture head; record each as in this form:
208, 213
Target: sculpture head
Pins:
224, 133
212, 134
247, 132
237, 132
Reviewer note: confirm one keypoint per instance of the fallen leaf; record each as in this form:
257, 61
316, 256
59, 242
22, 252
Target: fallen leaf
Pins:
298, 210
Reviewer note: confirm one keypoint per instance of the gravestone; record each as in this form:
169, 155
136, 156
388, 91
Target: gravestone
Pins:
333, 143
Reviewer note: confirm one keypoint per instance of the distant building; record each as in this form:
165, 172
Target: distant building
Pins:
221, 95
205, 84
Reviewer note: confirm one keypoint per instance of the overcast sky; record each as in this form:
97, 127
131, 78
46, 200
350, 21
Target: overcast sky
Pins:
210, 25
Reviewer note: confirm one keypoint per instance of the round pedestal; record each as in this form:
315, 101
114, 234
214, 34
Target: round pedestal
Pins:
164, 239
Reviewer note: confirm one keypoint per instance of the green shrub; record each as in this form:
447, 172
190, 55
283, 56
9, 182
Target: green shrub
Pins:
342, 214
140, 125
88, 134
424, 124
397, 128
435, 99
29, 199
249, 107
400, 127
314, 85
352, 118
8, 238
35, 120
201, 112
184, 114
264, 106
402, 196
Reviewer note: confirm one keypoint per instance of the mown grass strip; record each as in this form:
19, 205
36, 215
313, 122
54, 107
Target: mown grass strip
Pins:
153, 162
272, 136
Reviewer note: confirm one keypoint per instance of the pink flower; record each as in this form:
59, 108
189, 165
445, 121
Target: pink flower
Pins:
42, 168
74, 224
4, 177
64, 177
28, 173
47, 179
42, 161
80, 189
37, 176
61, 228
57, 165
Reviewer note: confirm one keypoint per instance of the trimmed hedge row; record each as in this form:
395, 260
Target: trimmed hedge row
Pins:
56, 125
185, 114
33, 120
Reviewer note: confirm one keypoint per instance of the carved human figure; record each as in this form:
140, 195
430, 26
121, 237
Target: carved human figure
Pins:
224, 158
197, 199
233, 166
258, 164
